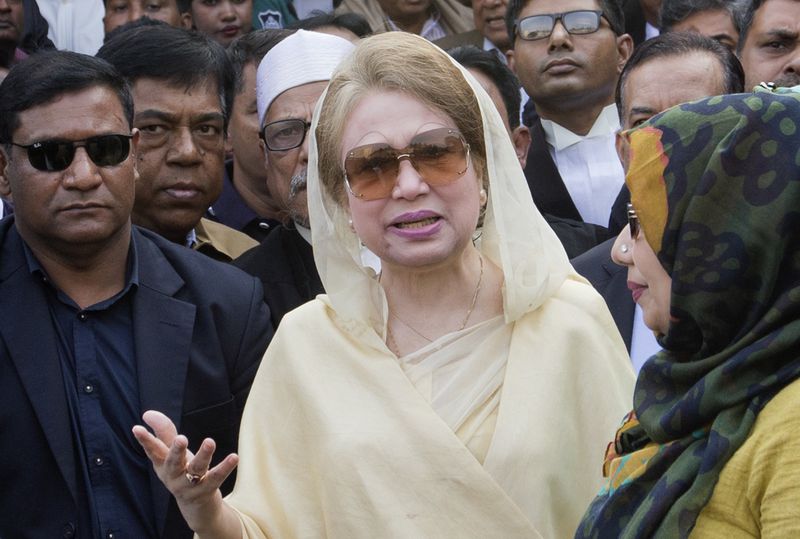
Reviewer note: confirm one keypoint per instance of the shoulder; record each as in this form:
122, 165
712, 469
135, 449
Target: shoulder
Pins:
196, 270
594, 264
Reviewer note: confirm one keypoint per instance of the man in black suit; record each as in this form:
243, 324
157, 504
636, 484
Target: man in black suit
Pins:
568, 64
699, 67
101, 320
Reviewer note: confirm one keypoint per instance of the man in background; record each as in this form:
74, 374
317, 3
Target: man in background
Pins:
182, 85
698, 67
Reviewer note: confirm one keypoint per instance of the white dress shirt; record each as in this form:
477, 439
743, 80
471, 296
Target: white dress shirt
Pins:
75, 25
588, 164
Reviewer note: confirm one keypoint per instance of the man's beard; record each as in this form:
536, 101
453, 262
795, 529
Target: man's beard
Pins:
297, 186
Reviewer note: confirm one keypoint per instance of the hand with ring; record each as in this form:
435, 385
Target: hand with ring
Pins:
187, 476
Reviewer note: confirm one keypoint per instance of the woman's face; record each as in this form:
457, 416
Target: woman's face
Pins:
417, 225
649, 283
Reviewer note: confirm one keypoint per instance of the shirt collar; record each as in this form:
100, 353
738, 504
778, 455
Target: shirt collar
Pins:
488, 46
131, 271
559, 137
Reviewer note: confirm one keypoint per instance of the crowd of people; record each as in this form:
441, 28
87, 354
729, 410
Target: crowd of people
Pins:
395, 268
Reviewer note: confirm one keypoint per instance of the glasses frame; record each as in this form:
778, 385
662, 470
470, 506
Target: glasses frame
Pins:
262, 134
407, 153
633, 221
559, 17
74, 145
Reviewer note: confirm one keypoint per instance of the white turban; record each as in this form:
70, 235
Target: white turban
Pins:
299, 59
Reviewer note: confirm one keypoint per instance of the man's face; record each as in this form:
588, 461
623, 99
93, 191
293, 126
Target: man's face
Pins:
490, 20
222, 20
85, 204
243, 132
286, 170
403, 9
647, 91
714, 23
771, 51
569, 69
119, 12
181, 155
12, 21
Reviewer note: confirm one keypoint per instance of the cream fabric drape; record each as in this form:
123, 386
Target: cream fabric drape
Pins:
337, 442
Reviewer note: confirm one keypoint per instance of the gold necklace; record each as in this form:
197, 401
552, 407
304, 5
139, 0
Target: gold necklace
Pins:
463, 324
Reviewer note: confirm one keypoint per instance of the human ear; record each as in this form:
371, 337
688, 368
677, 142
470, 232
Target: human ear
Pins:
521, 137
624, 51
5, 185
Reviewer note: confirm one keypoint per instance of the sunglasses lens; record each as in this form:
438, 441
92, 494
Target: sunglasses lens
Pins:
104, 151
108, 150
581, 22
439, 157
633, 221
51, 156
371, 170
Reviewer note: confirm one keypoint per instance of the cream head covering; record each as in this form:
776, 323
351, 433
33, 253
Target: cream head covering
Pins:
299, 59
515, 236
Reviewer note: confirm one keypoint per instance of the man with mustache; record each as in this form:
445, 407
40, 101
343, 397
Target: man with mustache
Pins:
182, 85
769, 43
12, 18
289, 81
568, 55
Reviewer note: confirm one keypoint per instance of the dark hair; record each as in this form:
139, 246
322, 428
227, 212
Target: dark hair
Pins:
503, 78
130, 25
745, 19
251, 48
673, 12
347, 21
45, 76
174, 56
184, 5
612, 11
680, 43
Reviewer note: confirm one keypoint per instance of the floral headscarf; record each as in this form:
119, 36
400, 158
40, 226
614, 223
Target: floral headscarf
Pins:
716, 187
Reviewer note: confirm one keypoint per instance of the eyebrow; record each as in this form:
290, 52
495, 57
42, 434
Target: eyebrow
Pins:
781, 33
641, 110
155, 114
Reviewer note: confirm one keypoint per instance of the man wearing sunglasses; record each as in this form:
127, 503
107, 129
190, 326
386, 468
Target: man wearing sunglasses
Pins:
289, 81
568, 55
101, 320
182, 85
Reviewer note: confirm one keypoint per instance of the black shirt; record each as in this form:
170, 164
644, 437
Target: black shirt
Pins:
98, 366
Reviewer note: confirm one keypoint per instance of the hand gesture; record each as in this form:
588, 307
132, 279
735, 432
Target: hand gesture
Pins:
186, 476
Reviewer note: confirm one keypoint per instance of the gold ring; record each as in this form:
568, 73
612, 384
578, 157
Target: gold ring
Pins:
194, 478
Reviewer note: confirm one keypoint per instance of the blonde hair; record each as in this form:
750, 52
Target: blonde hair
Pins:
395, 61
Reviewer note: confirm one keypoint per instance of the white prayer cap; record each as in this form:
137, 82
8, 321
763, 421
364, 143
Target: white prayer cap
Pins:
301, 58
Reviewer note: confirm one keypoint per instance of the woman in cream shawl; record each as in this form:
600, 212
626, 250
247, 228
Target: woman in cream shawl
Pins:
466, 391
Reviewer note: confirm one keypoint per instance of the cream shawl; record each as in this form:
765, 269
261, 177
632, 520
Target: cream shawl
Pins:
337, 442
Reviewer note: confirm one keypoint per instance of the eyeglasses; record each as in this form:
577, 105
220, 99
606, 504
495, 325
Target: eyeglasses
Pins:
56, 155
284, 134
633, 221
584, 21
440, 156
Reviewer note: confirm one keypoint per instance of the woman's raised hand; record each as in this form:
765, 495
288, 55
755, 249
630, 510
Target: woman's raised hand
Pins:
186, 476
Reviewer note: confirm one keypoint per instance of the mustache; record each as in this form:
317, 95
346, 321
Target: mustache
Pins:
298, 183
787, 80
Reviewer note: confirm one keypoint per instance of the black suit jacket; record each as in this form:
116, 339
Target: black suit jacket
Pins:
284, 262
611, 280
200, 329
635, 23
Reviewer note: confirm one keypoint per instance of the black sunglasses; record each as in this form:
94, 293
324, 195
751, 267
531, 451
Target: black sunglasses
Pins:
633, 221
56, 155
579, 22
